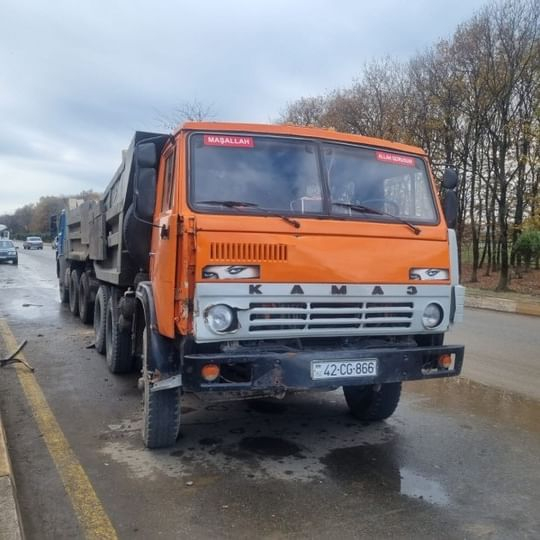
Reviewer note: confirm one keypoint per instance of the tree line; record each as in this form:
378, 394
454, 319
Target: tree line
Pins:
34, 218
471, 101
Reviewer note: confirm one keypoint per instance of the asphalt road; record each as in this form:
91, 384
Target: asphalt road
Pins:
459, 459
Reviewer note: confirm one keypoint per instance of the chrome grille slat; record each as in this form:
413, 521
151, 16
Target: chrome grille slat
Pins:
311, 317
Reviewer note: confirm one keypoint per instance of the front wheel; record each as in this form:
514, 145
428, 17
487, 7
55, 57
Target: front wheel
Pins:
373, 402
161, 410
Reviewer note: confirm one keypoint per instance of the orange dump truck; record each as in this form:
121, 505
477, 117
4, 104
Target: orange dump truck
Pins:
239, 261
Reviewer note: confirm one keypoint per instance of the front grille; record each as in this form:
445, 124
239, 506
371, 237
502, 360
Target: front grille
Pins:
312, 317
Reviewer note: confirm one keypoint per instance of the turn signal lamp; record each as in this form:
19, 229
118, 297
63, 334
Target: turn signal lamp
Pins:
445, 361
210, 372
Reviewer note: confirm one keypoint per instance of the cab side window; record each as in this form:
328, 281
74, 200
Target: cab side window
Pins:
168, 184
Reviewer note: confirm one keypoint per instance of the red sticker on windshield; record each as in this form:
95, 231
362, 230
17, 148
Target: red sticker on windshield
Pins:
230, 141
396, 159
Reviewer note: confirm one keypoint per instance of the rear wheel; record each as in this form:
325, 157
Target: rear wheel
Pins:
161, 409
373, 402
118, 340
100, 315
63, 286
63, 291
86, 307
74, 279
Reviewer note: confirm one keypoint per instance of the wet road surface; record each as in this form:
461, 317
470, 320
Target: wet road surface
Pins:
458, 459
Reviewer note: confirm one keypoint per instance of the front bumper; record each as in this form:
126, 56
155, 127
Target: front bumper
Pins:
276, 371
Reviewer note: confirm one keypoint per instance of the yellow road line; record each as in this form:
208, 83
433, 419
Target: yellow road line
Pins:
88, 508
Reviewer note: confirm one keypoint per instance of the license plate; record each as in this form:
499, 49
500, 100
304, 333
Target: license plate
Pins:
344, 369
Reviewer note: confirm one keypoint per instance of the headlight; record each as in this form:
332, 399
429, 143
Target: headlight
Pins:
433, 315
12, 253
221, 318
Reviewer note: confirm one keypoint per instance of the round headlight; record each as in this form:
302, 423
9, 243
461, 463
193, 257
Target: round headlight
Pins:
220, 318
432, 316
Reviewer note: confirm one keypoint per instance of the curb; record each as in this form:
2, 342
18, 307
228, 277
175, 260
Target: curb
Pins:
521, 307
10, 523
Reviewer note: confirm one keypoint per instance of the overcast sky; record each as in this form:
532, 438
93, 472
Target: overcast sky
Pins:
77, 78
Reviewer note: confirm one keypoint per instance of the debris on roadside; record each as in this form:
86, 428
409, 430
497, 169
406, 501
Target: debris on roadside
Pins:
11, 359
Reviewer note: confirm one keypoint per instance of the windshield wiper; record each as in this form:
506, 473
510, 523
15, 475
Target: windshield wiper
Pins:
229, 204
369, 210
243, 204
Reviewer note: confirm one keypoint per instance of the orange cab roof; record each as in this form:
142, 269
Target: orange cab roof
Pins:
299, 131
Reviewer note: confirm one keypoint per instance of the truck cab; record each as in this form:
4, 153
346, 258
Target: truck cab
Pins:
269, 259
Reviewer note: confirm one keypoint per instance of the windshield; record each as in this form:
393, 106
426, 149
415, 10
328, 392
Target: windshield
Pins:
33, 239
278, 174
269, 173
381, 181
6, 244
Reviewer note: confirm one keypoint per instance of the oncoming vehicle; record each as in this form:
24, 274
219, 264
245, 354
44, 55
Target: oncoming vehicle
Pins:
33, 242
8, 252
239, 261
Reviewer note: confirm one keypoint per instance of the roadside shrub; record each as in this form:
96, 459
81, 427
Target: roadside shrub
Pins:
528, 246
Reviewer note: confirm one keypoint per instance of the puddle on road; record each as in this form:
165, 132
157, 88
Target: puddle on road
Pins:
376, 467
269, 446
475, 399
252, 445
417, 486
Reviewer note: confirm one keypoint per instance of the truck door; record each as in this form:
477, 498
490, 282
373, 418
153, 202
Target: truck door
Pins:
164, 244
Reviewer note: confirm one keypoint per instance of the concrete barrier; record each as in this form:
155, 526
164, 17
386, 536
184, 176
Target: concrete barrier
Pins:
509, 305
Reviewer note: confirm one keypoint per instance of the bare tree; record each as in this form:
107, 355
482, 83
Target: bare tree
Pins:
308, 111
187, 111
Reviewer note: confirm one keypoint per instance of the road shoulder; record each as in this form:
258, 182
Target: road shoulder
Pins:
10, 523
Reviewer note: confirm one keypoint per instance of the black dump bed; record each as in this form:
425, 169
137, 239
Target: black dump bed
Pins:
107, 233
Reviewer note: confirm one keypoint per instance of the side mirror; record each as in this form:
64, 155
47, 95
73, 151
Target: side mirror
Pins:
53, 225
145, 193
145, 176
146, 155
450, 207
450, 178
450, 200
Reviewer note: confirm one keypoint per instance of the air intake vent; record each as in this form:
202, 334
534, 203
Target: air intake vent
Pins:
235, 252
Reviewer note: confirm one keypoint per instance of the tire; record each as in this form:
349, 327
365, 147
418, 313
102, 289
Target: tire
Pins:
373, 402
161, 410
63, 287
63, 291
86, 306
15, 261
117, 341
100, 316
74, 279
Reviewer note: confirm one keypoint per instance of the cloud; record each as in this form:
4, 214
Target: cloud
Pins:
78, 78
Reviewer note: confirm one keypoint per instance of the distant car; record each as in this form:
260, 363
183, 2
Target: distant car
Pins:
8, 252
33, 242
